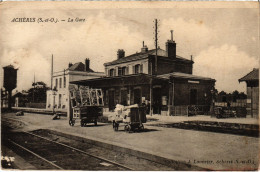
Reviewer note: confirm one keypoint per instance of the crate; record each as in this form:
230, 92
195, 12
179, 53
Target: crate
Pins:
137, 114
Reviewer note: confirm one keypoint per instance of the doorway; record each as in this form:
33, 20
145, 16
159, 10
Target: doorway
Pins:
193, 97
123, 97
157, 100
111, 99
137, 96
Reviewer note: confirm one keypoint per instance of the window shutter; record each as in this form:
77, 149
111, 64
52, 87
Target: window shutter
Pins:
141, 68
127, 70
64, 82
133, 69
115, 72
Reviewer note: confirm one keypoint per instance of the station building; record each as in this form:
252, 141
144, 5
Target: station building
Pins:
58, 96
252, 82
159, 78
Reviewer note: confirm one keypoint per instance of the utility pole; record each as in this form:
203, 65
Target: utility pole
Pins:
33, 85
151, 89
156, 44
51, 70
155, 65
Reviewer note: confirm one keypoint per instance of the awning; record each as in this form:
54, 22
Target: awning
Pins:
126, 80
184, 76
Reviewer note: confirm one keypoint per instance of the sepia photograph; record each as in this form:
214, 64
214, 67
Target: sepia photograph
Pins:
129, 86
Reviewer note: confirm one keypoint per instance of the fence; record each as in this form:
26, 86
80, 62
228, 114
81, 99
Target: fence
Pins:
232, 104
36, 105
188, 110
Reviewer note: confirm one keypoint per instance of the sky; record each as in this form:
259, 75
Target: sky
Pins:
223, 40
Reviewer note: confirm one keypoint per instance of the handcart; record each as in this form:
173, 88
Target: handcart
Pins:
132, 117
223, 112
87, 105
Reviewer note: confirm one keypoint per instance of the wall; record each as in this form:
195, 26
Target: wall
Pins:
36, 105
182, 92
253, 101
130, 65
169, 66
62, 94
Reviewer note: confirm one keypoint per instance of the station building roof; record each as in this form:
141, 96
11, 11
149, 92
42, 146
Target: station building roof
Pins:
79, 67
251, 76
143, 55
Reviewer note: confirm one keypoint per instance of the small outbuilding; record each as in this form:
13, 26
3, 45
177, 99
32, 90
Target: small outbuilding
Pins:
252, 82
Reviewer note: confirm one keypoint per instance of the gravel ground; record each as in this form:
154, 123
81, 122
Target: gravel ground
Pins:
209, 150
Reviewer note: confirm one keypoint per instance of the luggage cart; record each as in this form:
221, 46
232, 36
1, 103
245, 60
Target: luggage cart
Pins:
133, 120
87, 105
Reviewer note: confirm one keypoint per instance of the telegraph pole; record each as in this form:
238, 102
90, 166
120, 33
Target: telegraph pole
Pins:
51, 69
155, 65
156, 43
33, 85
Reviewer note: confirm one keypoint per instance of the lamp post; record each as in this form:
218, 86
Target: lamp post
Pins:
205, 109
54, 94
212, 99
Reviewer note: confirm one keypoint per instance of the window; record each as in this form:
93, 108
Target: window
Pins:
137, 69
124, 70
111, 72
119, 71
64, 80
56, 83
59, 101
60, 82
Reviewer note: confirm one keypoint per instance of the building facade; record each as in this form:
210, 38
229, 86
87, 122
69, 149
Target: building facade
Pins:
58, 97
252, 82
159, 78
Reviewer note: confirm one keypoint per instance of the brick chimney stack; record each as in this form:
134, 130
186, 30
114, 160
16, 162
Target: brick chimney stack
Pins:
120, 53
144, 49
87, 62
70, 64
171, 47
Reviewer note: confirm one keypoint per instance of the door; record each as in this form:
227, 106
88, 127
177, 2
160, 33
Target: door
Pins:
157, 100
123, 97
137, 96
193, 97
111, 99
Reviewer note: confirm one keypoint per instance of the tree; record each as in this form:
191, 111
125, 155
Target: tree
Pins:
222, 96
235, 95
37, 94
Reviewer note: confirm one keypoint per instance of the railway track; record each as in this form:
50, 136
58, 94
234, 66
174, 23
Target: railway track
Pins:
52, 150
55, 155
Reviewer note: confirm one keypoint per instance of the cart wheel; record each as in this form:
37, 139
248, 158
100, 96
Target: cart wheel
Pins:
141, 127
126, 128
116, 126
71, 122
130, 128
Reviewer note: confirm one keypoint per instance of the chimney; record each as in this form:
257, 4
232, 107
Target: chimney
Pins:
144, 49
171, 47
70, 64
87, 61
120, 53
